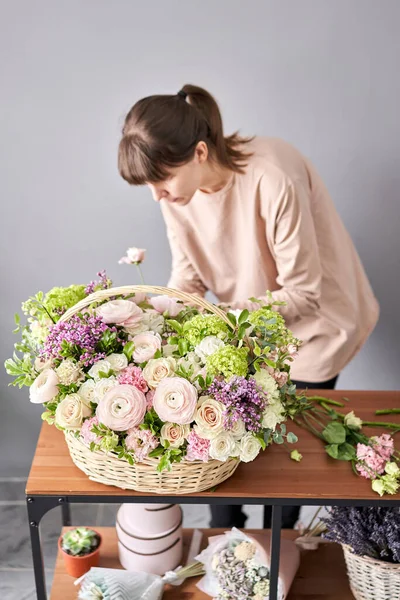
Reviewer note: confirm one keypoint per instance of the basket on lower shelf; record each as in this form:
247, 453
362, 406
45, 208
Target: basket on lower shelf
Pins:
184, 478
372, 579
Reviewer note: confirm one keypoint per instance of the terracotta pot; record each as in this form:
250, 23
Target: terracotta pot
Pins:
76, 566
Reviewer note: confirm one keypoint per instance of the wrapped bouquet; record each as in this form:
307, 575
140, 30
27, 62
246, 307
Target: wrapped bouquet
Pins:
148, 375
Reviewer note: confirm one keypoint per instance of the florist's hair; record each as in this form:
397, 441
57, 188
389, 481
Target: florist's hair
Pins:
161, 132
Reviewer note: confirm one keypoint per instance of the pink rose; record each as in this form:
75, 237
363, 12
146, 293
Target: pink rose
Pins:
164, 304
146, 345
45, 387
120, 312
134, 256
175, 400
122, 408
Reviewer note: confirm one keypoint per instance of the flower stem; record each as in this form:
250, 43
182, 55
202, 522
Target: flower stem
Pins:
381, 424
312, 428
388, 411
140, 274
326, 400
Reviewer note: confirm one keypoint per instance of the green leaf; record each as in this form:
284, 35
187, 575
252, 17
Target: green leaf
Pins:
158, 354
334, 433
278, 438
128, 350
164, 463
283, 428
346, 452
232, 319
243, 316
157, 452
332, 450
242, 329
262, 441
182, 347
257, 349
175, 325
292, 438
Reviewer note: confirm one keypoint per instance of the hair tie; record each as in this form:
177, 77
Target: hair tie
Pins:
182, 94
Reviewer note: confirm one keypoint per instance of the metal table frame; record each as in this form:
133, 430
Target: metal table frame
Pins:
39, 505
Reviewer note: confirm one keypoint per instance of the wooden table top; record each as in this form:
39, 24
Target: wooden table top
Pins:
321, 575
272, 475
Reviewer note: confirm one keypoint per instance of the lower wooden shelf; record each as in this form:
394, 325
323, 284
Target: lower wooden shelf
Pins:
321, 576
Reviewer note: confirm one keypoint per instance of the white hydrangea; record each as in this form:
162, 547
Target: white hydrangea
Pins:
267, 383
69, 372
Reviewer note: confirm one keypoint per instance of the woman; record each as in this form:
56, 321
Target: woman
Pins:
246, 215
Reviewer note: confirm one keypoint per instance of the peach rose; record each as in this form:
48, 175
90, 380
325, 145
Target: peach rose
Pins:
122, 407
71, 412
175, 400
209, 417
164, 304
45, 387
146, 345
157, 369
175, 434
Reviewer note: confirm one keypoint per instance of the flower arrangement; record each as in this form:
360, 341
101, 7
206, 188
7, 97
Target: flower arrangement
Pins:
141, 376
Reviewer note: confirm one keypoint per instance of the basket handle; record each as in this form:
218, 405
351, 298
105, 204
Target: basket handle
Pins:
147, 289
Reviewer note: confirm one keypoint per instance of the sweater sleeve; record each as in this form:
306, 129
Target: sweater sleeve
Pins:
293, 242
183, 275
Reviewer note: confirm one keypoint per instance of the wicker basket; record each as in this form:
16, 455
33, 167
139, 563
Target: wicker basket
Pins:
185, 477
372, 579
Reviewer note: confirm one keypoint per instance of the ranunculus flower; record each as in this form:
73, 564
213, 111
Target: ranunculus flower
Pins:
134, 256
102, 366
157, 369
209, 417
175, 434
45, 387
120, 312
250, 447
208, 346
151, 321
71, 411
118, 362
86, 391
222, 446
102, 386
69, 372
175, 400
122, 407
146, 345
166, 304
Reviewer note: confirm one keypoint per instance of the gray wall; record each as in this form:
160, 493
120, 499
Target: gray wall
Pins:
321, 74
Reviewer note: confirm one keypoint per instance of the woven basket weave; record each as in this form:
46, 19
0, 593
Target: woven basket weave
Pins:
372, 579
185, 477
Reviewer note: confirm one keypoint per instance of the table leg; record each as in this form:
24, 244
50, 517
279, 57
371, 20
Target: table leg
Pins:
275, 551
66, 514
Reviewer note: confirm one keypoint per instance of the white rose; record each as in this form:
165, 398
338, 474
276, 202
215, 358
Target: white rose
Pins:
238, 430
118, 362
250, 447
45, 387
175, 434
157, 369
102, 366
86, 391
352, 421
102, 387
71, 412
273, 414
69, 372
208, 346
222, 446
146, 345
209, 417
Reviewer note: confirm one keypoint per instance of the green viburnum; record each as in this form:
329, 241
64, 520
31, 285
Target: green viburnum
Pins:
201, 326
109, 442
228, 361
54, 303
267, 320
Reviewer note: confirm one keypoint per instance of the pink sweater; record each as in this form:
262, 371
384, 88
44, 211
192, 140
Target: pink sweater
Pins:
276, 228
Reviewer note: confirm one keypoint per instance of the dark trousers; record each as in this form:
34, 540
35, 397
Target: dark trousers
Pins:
232, 515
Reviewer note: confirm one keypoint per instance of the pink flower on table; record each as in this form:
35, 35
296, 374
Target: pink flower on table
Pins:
175, 400
133, 375
141, 442
164, 304
86, 432
198, 448
383, 445
120, 312
146, 345
122, 408
370, 462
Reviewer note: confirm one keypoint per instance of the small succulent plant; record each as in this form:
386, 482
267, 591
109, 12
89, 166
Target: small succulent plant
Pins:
80, 541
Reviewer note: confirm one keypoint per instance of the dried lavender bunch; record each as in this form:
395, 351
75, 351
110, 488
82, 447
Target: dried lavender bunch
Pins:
369, 531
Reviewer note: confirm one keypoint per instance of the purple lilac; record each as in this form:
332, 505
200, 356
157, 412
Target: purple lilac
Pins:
83, 331
103, 283
243, 399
